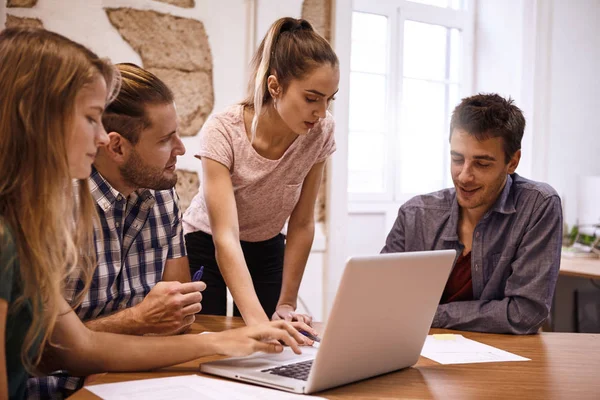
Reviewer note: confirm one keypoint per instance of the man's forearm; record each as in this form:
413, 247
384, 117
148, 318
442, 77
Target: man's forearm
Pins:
509, 315
177, 269
297, 249
125, 322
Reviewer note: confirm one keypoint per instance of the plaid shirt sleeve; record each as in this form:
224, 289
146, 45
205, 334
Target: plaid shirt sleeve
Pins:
57, 386
176, 242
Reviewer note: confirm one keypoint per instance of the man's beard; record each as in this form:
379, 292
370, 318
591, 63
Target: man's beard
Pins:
138, 174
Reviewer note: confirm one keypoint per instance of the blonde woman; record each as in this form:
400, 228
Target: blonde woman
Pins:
53, 94
262, 163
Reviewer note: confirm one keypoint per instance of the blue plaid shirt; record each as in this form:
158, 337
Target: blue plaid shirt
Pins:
139, 235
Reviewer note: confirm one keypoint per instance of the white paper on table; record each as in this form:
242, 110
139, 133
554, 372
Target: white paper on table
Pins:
188, 387
456, 349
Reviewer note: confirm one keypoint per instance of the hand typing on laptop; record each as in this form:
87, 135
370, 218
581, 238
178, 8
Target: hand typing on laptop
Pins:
266, 338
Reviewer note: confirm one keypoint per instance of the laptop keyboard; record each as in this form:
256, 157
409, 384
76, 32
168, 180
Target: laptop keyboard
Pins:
296, 371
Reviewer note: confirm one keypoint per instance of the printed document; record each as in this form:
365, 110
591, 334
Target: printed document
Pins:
189, 387
456, 349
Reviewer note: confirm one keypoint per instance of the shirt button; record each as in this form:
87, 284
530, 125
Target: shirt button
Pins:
477, 235
476, 267
117, 224
119, 198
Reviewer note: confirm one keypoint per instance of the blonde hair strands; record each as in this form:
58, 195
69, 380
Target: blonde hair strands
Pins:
40, 75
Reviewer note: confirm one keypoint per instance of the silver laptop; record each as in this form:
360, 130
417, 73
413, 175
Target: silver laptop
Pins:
378, 323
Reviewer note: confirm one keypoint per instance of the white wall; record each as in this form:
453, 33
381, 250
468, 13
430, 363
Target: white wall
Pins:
546, 55
574, 122
501, 56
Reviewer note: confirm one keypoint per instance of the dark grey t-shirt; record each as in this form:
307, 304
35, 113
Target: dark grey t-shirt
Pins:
18, 320
515, 254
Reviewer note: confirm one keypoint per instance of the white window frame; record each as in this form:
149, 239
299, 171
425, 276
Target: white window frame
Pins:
397, 12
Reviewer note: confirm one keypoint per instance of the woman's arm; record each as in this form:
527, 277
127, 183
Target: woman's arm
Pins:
222, 213
82, 351
300, 235
3, 376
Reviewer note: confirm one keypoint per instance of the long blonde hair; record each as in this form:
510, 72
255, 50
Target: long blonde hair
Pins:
291, 49
40, 75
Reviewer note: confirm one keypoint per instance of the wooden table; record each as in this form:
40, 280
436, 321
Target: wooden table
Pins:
562, 366
580, 267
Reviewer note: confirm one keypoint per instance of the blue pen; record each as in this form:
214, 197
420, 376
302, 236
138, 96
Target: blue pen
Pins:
310, 336
198, 274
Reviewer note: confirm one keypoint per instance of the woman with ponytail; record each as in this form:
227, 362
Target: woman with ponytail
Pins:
262, 163
54, 92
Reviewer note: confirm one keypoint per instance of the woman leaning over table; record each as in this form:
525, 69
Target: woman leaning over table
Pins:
262, 163
53, 94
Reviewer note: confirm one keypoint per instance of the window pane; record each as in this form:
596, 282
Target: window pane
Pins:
367, 102
423, 136
368, 57
369, 43
453, 100
369, 27
455, 4
455, 52
425, 51
366, 162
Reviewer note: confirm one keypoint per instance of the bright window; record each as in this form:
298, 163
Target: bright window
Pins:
409, 69
455, 4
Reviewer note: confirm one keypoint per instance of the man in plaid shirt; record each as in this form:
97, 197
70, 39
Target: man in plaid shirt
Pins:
142, 281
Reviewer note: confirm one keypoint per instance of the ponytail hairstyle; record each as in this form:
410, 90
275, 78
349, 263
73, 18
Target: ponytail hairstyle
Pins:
291, 50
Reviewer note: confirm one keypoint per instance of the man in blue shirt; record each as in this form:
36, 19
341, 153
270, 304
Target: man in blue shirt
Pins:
142, 281
506, 229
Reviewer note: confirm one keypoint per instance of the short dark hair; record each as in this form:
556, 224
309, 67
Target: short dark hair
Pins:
126, 114
489, 115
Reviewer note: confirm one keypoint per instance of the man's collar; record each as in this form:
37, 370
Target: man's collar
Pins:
505, 204
450, 233
106, 195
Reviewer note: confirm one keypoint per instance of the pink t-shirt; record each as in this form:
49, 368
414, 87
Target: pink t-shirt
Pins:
266, 191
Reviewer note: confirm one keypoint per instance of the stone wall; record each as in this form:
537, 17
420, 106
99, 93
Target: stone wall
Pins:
318, 13
12, 21
21, 3
180, 3
187, 186
176, 50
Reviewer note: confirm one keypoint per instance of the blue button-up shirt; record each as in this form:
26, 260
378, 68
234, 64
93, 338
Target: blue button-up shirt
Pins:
515, 255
